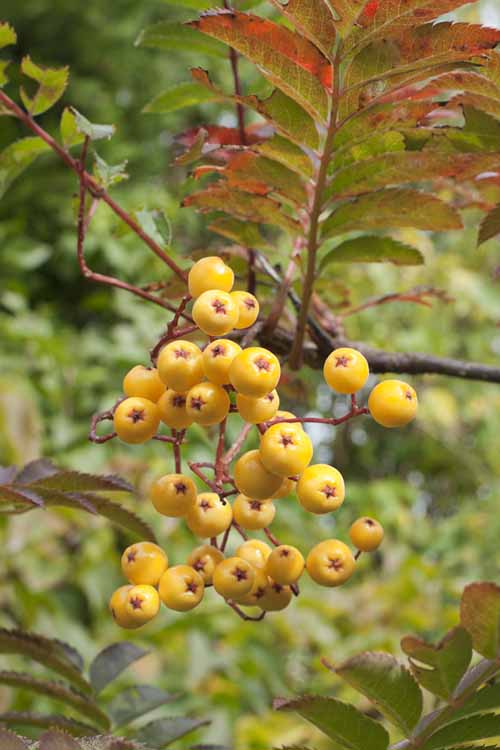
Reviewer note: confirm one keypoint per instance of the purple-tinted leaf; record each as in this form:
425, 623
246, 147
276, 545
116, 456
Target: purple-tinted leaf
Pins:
111, 662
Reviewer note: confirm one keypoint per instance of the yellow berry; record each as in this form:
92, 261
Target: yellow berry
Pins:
255, 372
255, 552
255, 410
248, 308
366, 534
142, 604
346, 370
217, 358
287, 487
288, 415
207, 404
209, 516
172, 409
321, 489
393, 403
180, 365
276, 597
143, 382
204, 560
285, 564
136, 420
233, 578
209, 273
330, 563
253, 479
253, 514
260, 584
117, 608
284, 450
181, 588
144, 563
215, 313
173, 495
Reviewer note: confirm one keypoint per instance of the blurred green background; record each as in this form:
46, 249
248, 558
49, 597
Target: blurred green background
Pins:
65, 346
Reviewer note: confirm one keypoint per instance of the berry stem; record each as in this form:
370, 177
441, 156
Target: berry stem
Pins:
271, 537
102, 416
237, 445
242, 614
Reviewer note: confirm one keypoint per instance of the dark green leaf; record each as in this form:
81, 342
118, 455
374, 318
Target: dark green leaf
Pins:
9, 741
490, 226
136, 701
163, 732
91, 130
287, 153
440, 667
340, 721
373, 249
111, 662
243, 232
52, 83
178, 97
76, 481
58, 741
480, 133
472, 729
47, 721
480, 615
167, 35
486, 699
17, 157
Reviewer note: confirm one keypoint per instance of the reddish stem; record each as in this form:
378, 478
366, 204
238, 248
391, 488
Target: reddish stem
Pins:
243, 615
271, 537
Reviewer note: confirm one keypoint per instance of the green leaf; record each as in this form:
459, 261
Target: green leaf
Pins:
52, 84
243, 232
17, 157
392, 208
440, 667
168, 35
111, 662
472, 729
480, 133
287, 153
163, 732
373, 249
47, 721
70, 135
490, 226
340, 721
54, 740
53, 654
107, 174
7, 35
257, 174
9, 741
136, 701
375, 145
313, 18
58, 691
179, 97
347, 12
388, 685
485, 700
92, 131
76, 481
480, 615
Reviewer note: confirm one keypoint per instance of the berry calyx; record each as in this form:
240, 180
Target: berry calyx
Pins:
393, 403
173, 495
181, 588
207, 404
180, 365
117, 608
276, 597
215, 313
253, 514
209, 516
321, 489
144, 563
255, 372
217, 359
255, 410
284, 450
253, 479
330, 563
209, 273
260, 584
233, 578
204, 560
346, 370
285, 564
142, 603
248, 309
143, 382
136, 420
366, 534
255, 552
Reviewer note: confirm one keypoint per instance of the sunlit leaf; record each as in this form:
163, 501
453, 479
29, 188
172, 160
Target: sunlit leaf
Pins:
52, 83
313, 18
373, 249
111, 662
480, 615
285, 152
17, 157
7, 35
70, 135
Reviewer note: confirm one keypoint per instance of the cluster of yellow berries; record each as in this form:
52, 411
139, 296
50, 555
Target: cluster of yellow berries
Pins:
191, 385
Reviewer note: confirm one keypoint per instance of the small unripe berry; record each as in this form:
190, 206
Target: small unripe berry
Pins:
217, 359
209, 516
181, 588
172, 409
180, 365
285, 450
366, 534
207, 404
209, 273
253, 514
173, 495
253, 479
144, 563
330, 563
136, 420
393, 403
142, 604
346, 370
233, 578
285, 564
276, 597
215, 313
143, 382
248, 308
255, 552
255, 410
204, 560
255, 372
117, 608
321, 489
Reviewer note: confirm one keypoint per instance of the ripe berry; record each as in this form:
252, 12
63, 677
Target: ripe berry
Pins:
136, 420
141, 604
248, 308
253, 514
330, 563
233, 578
173, 495
117, 608
393, 403
276, 597
210, 273
253, 479
181, 588
346, 370
255, 552
260, 584
180, 365
209, 516
280, 414
285, 564
366, 534
217, 358
255, 410
284, 450
287, 487
321, 489
215, 313
207, 404
143, 382
255, 372
204, 560
144, 563
172, 408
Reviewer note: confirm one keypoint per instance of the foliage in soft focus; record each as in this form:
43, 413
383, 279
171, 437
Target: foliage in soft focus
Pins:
66, 345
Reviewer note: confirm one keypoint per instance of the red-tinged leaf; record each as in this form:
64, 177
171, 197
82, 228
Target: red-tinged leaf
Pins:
217, 135
257, 174
243, 206
347, 12
288, 60
392, 208
313, 19
375, 145
490, 226
384, 117
481, 103
283, 151
447, 85
480, 615
244, 233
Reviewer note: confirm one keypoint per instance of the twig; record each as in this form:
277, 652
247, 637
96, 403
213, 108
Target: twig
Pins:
243, 615
236, 447
271, 537
283, 291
